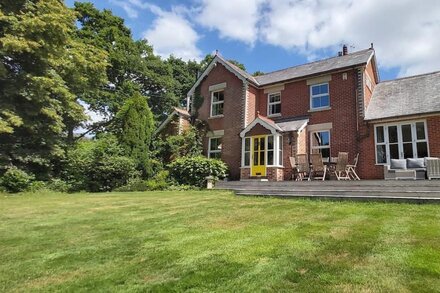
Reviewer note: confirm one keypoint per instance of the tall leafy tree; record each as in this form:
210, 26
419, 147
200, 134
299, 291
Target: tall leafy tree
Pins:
43, 69
133, 63
184, 76
135, 125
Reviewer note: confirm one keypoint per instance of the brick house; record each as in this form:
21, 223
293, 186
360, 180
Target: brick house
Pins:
332, 105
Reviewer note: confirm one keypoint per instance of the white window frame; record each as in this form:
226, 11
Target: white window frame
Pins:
319, 95
273, 103
399, 138
277, 150
209, 146
321, 147
217, 103
243, 161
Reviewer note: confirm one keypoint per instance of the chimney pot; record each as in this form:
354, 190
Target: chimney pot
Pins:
344, 50
340, 53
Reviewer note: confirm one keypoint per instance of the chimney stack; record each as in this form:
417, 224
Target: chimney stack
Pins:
344, 50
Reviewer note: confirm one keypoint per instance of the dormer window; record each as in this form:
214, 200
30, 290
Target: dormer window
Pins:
217, 102
319, 96
274, 104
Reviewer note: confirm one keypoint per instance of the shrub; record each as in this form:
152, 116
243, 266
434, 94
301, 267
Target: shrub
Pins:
134, 184
98, 165
16, 180
37, 186
159, 182
194, 170
59, 185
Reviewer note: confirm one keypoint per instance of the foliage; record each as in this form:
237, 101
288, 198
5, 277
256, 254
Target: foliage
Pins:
58, 185
258, 73
184, 75
194, 170
160, 181
172, 147
43, 70
98, 165
16, 180
133, 64
135, 125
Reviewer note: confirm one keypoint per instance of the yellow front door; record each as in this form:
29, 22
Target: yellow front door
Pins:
258, 156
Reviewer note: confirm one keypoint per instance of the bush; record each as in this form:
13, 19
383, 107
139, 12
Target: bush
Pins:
59, 185
37, 186
159, 182
16, 180
194, 170
98, 165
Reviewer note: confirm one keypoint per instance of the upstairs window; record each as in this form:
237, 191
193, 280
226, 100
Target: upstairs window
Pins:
319, 96
217, 102
215, 148
274, 104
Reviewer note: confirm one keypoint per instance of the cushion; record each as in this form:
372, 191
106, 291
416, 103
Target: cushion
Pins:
415, 163
398, 164
430, 158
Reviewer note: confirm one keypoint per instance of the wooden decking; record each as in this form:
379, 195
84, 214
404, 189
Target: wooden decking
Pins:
422, 191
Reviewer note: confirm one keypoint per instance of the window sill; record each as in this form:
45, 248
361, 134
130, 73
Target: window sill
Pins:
319, 109
245, 167
274, 115
215, 117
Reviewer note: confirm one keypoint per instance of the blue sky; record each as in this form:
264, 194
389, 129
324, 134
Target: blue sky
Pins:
268, 35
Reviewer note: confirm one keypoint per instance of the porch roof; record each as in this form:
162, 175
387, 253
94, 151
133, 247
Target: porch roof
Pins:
293, 125
274, 127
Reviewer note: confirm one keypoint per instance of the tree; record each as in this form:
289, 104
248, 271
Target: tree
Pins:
43, 69
184, 76
133, 64
135, 126
258, 73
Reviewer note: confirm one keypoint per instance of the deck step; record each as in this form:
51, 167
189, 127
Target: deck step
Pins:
408, 191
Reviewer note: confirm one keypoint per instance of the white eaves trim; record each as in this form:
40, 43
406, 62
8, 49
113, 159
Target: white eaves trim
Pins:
272, 128
217, 59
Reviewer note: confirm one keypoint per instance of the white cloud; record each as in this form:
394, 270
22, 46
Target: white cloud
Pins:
405, 33
235, 19
131, 7
172, 33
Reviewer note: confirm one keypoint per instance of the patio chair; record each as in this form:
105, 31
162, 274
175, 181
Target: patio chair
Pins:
351, 169
294, 168
318, 166
341, 170
303, 167
433, 168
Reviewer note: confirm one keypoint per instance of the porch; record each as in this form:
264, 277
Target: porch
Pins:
366, 190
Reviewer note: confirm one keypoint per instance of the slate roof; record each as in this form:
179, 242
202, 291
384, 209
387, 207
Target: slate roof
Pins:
334, 63
293, 125
406, 96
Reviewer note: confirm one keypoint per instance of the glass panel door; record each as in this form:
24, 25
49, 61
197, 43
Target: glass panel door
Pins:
407, 142
259, 156
393, 141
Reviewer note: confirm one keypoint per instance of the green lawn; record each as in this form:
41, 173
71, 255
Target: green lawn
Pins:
215, 241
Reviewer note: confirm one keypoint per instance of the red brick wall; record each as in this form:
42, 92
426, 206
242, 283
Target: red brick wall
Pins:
251, 104
232, 123
367, 92
433, 124
295, 101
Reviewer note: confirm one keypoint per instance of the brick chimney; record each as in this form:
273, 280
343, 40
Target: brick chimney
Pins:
344, 50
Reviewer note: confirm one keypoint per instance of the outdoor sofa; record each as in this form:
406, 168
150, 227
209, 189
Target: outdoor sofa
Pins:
411, 168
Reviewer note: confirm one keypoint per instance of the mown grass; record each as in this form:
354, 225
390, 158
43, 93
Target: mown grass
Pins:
214, 241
